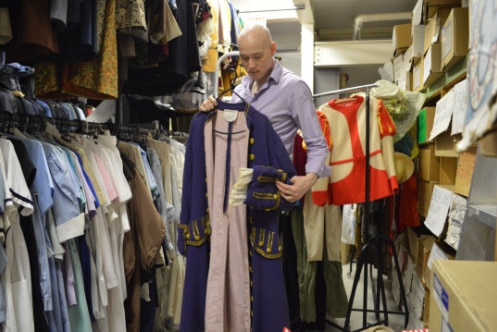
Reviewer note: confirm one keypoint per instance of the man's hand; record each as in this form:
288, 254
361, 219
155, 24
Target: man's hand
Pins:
300, 185
208, 105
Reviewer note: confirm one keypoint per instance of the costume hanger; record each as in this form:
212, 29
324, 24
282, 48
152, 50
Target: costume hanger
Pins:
231, 88
345, 99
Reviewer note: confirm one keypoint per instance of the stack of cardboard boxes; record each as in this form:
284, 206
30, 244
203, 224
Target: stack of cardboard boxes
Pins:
426, 49
430, 56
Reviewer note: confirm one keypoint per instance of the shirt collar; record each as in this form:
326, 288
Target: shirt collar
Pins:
273, 77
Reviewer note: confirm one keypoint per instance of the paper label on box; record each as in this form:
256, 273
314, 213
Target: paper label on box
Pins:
443, 114
446, 39
457, 213
460, 107
438, 210
441, 297
427, 65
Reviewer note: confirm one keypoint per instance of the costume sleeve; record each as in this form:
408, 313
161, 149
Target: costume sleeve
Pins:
387, 132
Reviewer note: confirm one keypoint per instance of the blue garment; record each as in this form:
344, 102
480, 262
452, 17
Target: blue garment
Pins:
46, 109
269, 306
41, 188
79, 315
67, 185
154, 190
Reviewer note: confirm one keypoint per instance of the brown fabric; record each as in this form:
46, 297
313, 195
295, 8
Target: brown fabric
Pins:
33, 33
5, 26
141, 244
95, 79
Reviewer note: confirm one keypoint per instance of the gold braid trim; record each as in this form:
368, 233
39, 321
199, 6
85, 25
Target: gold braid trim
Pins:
261, 252
265, 242
194, 228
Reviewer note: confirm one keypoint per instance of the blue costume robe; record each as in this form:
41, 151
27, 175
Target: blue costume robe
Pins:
269, 304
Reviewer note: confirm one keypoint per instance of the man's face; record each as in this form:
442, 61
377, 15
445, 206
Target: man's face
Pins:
257, 57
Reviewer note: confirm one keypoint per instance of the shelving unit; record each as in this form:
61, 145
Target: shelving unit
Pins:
450, 77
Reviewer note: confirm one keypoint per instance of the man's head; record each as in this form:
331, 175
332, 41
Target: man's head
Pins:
256, 51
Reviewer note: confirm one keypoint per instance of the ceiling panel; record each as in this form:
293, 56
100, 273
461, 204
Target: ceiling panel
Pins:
333, 19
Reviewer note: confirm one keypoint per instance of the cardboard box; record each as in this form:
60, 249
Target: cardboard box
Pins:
464, 172
426, 309
464, 296
425, 191
447, 170
436, 252
440, 8
399, 67
417, 13
445, 144
424, 248
455, 37
425, 123
418, 40
429, 164
401, 37
432, 65
431, 32
417, 75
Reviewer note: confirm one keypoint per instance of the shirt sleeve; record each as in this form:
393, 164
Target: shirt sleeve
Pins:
304, 113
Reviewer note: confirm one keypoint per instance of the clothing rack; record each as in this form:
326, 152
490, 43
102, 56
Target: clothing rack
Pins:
346, 90
373, 242
27, 122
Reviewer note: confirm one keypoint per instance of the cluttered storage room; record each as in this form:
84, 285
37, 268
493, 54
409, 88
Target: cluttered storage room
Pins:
239, 166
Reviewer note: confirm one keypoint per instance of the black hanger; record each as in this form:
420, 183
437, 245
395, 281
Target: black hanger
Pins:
232, 87
230, 90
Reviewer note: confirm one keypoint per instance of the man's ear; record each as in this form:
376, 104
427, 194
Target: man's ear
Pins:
273, 48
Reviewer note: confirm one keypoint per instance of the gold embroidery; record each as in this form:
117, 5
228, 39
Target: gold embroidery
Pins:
196, 232
266, 255
262, 235
270, 241
265, 179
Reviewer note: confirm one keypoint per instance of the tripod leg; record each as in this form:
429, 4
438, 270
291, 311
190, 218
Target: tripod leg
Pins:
352, 293
401, 283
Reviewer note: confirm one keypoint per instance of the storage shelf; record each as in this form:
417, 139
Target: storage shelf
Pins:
450, 77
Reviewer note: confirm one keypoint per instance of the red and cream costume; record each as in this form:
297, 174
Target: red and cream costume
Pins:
347, 184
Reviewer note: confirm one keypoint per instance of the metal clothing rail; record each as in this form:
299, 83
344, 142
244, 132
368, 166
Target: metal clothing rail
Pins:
371, 243
344, 90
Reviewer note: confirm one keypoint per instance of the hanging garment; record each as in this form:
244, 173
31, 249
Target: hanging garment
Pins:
317, 230
163, 77
348, 159
96, 78
141, 244
213, 246
33, 32
16, 278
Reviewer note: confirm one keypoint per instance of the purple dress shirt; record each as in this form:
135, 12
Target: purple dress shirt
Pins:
286, 100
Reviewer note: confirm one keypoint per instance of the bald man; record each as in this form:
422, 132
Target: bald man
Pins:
286, 100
